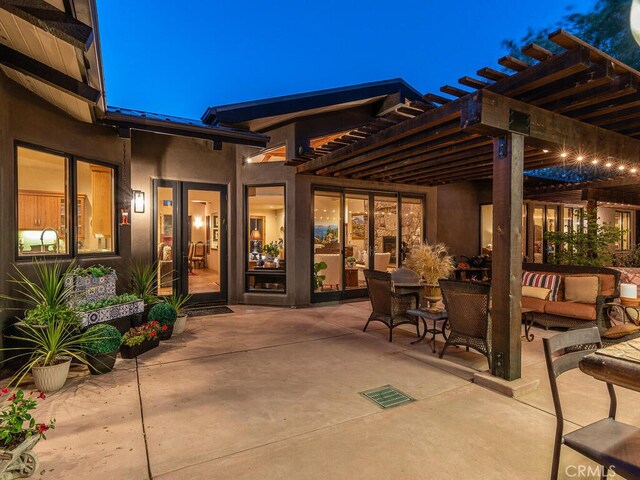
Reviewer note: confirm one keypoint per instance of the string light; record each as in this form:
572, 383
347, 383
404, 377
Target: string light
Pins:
544, 150
595, 161
564, 154
634, 170
621, 167
608, 164
579, 158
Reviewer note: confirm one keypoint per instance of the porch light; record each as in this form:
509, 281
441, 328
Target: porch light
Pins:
635, 20
138, 201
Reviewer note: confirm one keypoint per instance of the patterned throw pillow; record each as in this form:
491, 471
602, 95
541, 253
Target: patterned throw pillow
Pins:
543, 280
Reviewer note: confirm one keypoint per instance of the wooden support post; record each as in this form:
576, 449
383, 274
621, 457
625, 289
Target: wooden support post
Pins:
506, 288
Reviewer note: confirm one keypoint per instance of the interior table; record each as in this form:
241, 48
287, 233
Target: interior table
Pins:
618, 364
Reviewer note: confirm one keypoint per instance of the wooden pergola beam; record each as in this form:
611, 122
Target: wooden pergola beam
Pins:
621, 181
611, 196
491, 114
48, 18
28, 66
386, 137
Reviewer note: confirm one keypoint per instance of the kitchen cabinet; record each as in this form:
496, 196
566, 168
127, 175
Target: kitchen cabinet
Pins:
102, 201
39, 210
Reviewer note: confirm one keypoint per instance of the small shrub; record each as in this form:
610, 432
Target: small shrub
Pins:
105, 339
44, 314
107, 302
95, 271
163, 313
137, 335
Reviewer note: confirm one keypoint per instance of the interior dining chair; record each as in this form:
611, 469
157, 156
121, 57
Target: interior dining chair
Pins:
612, 444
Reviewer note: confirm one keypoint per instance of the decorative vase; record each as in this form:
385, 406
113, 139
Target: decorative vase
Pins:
101, 363
432, 295
166, 334
180, 325
127, 351
53, 377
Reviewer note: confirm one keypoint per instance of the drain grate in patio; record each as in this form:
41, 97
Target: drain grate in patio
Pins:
201, 312
387, 396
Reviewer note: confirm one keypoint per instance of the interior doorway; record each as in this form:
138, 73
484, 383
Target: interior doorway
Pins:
190, 225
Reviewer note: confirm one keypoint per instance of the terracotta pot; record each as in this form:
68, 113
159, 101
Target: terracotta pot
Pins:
180, 325
132, 352
166, 334
432, 295
101, 363
52, 378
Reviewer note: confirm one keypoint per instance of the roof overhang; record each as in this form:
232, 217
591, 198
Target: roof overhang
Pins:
261, 114
52, 49
143, 121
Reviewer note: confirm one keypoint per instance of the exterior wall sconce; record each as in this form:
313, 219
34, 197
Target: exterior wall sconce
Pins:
138, 201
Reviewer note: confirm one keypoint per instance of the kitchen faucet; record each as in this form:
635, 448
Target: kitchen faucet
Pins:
57, 244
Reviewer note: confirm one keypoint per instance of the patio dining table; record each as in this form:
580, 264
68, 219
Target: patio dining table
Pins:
618, 364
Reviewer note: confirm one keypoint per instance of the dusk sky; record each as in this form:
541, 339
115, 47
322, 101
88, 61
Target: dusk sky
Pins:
179, 58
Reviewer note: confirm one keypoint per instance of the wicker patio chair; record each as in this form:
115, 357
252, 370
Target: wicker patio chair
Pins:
607, 442
467, 305
389, 307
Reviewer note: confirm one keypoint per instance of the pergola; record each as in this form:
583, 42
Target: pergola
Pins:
580, 105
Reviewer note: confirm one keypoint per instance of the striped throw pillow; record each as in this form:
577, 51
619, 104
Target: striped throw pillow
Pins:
543, 280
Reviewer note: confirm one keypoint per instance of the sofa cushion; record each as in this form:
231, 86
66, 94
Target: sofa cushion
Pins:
607, 281
620, 331
535, 292
581, 311
544, 280
581, 289
534, 304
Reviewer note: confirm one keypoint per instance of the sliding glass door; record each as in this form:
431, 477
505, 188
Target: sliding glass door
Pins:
355, 231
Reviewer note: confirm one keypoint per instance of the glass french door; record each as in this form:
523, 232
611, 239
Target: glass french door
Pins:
191, 240
356, 231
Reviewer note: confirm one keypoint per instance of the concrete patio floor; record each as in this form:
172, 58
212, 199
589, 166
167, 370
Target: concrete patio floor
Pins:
268, 393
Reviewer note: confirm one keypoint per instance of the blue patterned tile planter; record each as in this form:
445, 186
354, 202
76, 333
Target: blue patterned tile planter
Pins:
92, 289
111, 313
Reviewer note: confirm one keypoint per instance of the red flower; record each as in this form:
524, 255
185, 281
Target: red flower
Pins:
42, 428
164, 328
12, 397
3, 392
42, 395
152, 334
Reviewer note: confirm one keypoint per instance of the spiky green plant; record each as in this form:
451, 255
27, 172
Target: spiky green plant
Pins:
177, 301
51, 344
47, 291
143, 281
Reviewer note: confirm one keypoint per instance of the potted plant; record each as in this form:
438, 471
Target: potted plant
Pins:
52, 347
431, 262
178, 301
351, 262
19, 433
92, 283
318, 280
166, 315
102, 349
271, 251
139, 340
143, 280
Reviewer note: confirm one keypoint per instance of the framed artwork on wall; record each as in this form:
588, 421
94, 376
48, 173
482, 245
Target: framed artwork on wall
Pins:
359, 222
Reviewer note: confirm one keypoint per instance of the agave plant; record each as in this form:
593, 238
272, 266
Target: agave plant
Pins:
177, 301
143, 281
58, 341
44, 297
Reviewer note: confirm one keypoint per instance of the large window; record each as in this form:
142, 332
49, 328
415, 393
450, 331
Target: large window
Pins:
95, 208
265, 239
486, 229
623, 222
47, 218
